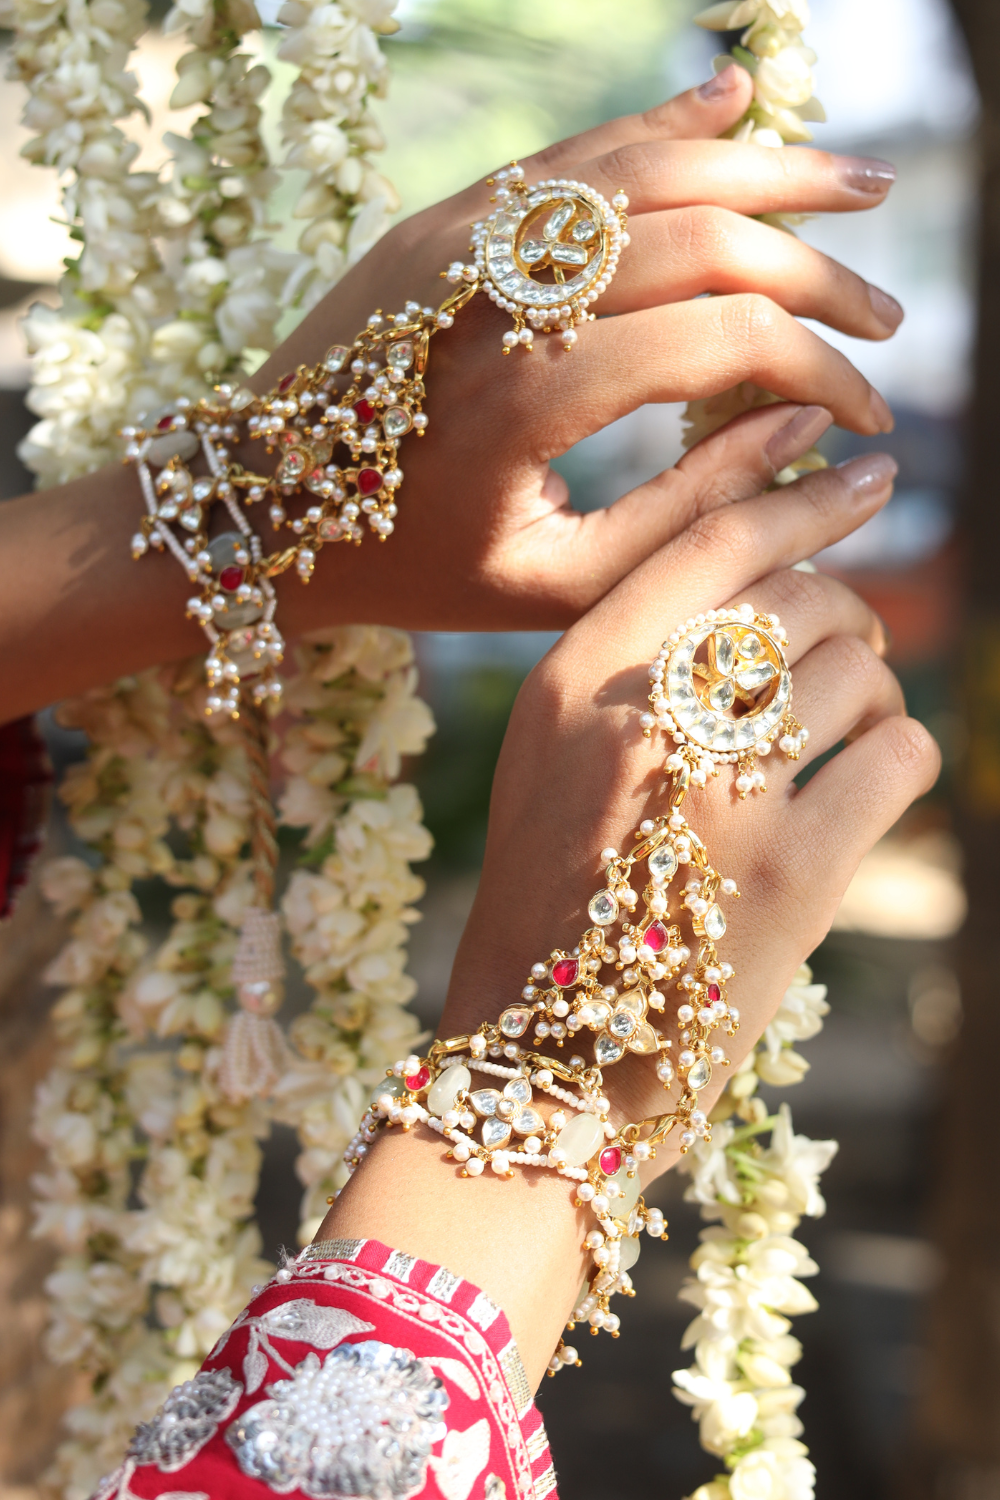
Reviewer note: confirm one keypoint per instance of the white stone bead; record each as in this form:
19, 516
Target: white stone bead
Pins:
445, 1090
579, 1139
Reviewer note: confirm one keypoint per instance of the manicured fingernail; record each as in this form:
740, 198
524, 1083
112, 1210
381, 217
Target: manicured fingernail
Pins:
792, 440
887, 642
881, 411
865, 174
885, 308
870, 472
722, 84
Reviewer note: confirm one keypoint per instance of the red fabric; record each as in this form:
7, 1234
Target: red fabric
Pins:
493, 1447
24, 776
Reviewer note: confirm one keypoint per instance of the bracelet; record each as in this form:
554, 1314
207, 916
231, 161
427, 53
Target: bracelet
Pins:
364, 399
522, 254
721, 689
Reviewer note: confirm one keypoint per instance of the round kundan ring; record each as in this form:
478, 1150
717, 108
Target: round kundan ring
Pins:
548, 252
721, 685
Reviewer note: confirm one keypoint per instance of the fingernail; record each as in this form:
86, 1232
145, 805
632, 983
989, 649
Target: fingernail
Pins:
887, 640
870, 472
798, 434
881, 411
885, 308
865, 174
722, 84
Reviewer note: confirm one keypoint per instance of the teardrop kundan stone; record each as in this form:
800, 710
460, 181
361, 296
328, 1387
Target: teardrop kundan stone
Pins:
564, 971
369, 480
496, 1133
514, 1022
655, 936
714, 923
417, 1081
714, 993
610, 1160
699, 1074
397, 421
603, 909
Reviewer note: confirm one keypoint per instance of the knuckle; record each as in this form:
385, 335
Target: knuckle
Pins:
750, 318
913, 750
705, 232
802, 597
720, 534
658, 117
857, 666
629, 167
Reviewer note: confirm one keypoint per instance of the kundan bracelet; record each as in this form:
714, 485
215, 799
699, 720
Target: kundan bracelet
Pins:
721, 689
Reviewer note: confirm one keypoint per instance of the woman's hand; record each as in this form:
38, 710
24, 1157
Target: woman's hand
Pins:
485, 538
576, 775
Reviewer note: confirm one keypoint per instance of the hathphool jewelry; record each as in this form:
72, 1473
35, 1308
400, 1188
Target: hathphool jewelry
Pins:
547, 253
721, 688
337, 426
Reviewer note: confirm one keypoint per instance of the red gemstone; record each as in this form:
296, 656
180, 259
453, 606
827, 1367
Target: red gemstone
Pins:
417, 1081
655, 936
564, 971
286, 382
714, 993
165, 423
230, 579
611, 1160
363, 410
369, 480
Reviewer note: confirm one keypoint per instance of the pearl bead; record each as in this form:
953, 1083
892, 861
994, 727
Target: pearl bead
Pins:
475, 1167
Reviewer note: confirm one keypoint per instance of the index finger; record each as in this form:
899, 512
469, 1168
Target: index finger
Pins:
658, 174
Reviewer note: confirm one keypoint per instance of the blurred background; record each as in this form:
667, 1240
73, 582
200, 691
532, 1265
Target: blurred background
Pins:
902, 1362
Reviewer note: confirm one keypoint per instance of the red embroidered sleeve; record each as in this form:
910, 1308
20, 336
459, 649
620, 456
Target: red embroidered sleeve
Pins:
358, 1371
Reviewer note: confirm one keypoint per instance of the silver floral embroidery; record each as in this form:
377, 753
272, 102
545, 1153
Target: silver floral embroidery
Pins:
302, 1320
361, 1423
186, 1421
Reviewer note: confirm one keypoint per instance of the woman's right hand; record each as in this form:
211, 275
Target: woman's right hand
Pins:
575, 775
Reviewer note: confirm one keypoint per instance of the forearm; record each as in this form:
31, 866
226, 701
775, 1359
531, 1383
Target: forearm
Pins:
521, 1240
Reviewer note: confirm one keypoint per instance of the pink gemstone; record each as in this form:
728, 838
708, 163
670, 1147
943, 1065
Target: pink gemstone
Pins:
417, 1081
655, 936
165, 423
230, 579
363, 410
714, 993
611, 1160
564, 971
286, 382
369, 480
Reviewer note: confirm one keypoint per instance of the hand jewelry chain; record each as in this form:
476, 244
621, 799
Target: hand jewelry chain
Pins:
721, 689
360, 401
